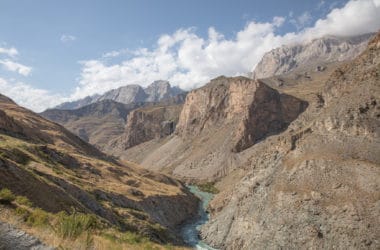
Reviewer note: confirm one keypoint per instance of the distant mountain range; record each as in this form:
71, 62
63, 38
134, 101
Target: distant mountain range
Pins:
315, 53
157, 91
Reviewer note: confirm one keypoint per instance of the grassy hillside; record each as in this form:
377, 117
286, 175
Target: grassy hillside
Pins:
69, 194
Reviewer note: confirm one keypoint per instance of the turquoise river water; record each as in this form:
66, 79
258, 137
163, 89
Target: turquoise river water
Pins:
190, 231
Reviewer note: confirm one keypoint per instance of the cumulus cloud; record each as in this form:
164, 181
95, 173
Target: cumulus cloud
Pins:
28, 96
12, 52
16, 67
356, 17
301, 21
184, 58
67, 38
188, 60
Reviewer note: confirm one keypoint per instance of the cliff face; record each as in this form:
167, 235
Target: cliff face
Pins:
314, 54
316, 185
148, 123
252, 110
226, 116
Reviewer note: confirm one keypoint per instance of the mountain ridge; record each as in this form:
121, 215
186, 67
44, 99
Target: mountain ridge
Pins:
156, 91
315, 53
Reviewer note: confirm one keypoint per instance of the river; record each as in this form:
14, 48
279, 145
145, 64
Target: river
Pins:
190, 231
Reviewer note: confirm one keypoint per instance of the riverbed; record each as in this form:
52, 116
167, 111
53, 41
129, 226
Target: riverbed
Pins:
190, 231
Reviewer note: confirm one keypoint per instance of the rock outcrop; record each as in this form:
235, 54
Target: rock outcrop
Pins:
148, 123
12, 238
317, 185
250, 108
314, 54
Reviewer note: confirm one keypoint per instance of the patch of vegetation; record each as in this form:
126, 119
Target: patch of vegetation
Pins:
16, 155
73, 225
126, 237
22, 212
208, 187
6, 195
37, 218
22, 200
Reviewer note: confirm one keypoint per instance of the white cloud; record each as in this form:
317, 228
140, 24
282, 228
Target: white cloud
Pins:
67, 38
189, 60
301, 21
28, 96
12, 52
356, 17
16, 67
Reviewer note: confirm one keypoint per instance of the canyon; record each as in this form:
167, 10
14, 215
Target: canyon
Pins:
292, 153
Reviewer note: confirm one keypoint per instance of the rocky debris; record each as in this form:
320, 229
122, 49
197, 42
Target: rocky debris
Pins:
12, 238
322, 50
321, 177
155, 92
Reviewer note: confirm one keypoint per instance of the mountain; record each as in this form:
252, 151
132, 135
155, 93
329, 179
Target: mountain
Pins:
315, 54
160, 90
110, 125
156, 91
316, 185
96, 123
295, 156
218, 120
50, 178
147, 123
77, 104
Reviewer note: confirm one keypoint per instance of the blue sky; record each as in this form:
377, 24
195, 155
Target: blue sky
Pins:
69, 49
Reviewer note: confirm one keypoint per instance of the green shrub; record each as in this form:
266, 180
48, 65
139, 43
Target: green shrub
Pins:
133, 238
22, 212
6, 195
71, 226
38, 217
22, 200
20, 157
208, 187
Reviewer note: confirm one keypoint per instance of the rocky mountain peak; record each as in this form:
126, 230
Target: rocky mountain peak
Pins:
155, 92
310, 54
125, 94
159, 90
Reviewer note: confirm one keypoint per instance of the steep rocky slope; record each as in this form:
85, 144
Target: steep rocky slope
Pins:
226, 116
57, 171
155, 92
147, 123
315, 54
110, 127
317, 185
97, 123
